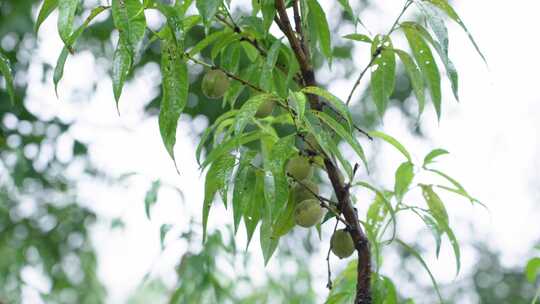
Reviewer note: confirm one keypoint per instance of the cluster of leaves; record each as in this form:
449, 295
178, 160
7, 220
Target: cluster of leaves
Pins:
204, 276
250, 153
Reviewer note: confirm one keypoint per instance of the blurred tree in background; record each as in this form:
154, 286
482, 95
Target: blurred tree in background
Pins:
44, 226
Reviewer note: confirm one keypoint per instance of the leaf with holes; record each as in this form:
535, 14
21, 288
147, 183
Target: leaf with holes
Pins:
383, 72
175, 86
426, 62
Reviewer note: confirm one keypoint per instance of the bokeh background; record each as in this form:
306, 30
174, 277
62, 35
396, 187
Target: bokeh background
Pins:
74, 175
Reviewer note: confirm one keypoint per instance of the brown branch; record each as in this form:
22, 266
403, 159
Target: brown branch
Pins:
363, 293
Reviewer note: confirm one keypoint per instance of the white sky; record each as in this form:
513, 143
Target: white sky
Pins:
492, 136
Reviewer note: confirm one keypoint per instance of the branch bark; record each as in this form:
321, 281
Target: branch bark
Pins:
361, 243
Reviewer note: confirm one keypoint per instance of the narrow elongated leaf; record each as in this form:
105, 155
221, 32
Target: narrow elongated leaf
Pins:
532, 270
281, 152
46, 9
417, 255
391, 140
209, 130
175, 85
129, 19
455, 247
163, 230
343, 133
383, 72
335, 102
299, 102
321, 27
437, 24
415, 75
201, 45
325, 140
59, 69
285, 220
66, 16
424, 58
208, 9
217, 177
5, 70
151, 197
269, 241
404, 177
460, 189
382, 197
433, 226
435, 204
430, 157
358, 37
242, 191
447, 8
256, 203
120, 69
268, 9
451, 71
227, 146
271, 58
248, 111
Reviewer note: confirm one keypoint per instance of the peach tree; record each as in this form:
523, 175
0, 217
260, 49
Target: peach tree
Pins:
280, 131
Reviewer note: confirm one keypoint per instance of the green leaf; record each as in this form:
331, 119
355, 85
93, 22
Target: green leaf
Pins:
204, 137
424, 58
433, 226
5, 70
66, 16
256, 203
455, 246
129, 19
120, 69
46, 9
451, 71
454, 182
59, 69
437, 24
202, 44
208, 9
281, 152
435, 204
358, 37
343, 133
404, 177
415, 75
175, 86
227, 146
391, 140
242, 191
382, 197
163, 229
269, 241
383, 72
268, 10
325, 140
430, 157
321, 27
151, 197
271, 58
445, 7
216, 178
335, 102
532, 270
285, 220
248, 110
299, 102
417, 255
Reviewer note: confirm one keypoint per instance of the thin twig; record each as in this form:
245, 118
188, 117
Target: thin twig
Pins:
329, 283
378, 51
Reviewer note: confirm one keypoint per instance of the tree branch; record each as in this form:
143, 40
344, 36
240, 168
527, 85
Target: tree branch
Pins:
363, 293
